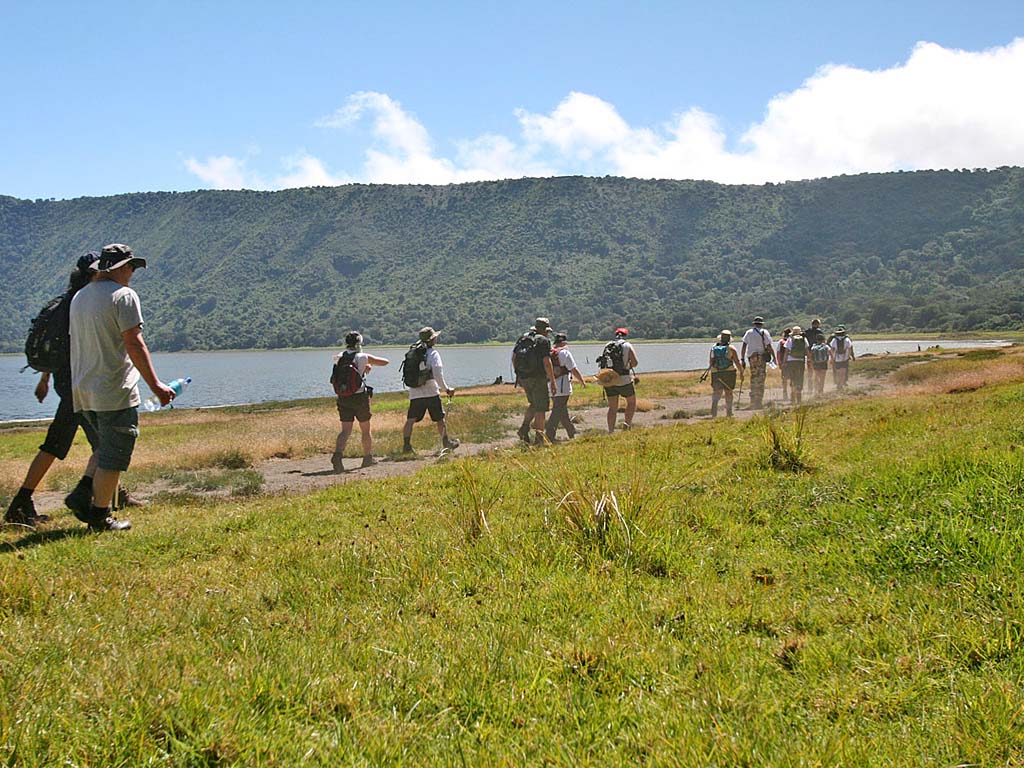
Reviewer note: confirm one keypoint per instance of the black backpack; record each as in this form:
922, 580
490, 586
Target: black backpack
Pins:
48, 346
613, 357
345, 377
525, 361
415, 372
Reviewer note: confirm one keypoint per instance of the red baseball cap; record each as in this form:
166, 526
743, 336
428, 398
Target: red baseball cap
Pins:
622, 331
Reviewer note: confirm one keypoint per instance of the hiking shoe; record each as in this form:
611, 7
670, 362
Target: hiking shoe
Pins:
336, 462
124, 499
451, 443
79, 502
368, 461
524, 435
109, 524
408, 450
22, 512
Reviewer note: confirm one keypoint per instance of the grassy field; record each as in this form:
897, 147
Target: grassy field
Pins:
840, 586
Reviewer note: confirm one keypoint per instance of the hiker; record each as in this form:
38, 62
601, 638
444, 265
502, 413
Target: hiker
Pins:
108, 357
842, 353
565, 370
423, 374
783, 370
818, 356
620, 359
794, 358
531, 361
724, 363
61, 433
351, 367
757, 353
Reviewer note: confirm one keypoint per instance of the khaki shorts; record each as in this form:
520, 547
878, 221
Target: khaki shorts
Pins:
538, 393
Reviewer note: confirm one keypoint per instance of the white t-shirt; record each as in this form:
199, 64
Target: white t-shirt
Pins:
433, 386
757, 341
361, 360
842, 346
103, 377
563, 384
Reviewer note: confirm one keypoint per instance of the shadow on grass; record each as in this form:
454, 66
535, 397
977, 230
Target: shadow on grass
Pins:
37, 537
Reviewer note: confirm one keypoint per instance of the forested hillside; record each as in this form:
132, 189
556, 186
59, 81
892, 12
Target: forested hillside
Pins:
936, 250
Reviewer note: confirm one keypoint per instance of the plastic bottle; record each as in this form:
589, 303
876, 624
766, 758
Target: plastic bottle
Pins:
178, 385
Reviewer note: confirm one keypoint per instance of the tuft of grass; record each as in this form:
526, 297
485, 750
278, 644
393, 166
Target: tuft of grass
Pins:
784, 447
476, 498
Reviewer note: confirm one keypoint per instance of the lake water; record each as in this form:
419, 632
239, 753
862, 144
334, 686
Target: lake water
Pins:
236, 378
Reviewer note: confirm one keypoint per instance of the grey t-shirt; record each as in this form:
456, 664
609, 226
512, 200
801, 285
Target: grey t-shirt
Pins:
103, 377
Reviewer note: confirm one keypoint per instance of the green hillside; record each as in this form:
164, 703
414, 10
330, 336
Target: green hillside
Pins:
936, 250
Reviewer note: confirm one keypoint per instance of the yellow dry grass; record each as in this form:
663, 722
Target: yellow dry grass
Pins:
960, 375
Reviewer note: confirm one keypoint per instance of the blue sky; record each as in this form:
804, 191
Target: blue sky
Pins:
105, 98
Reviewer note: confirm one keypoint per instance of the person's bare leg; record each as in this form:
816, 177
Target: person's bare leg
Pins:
37, 470
104, 483
613, 411
630, 409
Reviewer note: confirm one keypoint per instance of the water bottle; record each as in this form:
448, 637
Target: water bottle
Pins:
178, 385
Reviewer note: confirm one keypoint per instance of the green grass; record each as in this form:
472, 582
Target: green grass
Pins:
504, 611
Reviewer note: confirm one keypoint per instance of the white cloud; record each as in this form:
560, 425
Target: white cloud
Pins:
942, 108
306, 171
221, 172
226, 172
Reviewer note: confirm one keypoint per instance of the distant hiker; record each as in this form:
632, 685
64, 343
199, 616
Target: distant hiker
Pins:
531, 361
842, 354
783, 371
565, 370
794, 358
498, 380
108, 357
818, 355
348, 377
617, 362
423, 374
757, 353
724, 363
48, 350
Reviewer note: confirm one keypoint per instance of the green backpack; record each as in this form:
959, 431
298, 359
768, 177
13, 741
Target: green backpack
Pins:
720, 355
799, 348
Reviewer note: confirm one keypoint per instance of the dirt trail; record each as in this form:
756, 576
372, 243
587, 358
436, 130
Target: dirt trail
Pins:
285, 476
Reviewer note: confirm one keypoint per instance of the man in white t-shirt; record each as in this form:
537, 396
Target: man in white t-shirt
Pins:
622, 383
426, 397
108, 357
565, 371
757, 353
354, 397
841, 349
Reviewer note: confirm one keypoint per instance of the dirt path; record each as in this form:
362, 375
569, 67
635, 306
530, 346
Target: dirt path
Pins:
285, 476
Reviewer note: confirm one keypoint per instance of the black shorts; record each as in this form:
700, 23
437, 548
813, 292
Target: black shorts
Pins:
423, 405
354, 407
819, 366
538, 393
841, 364
61, 433
723, 380
626, 390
